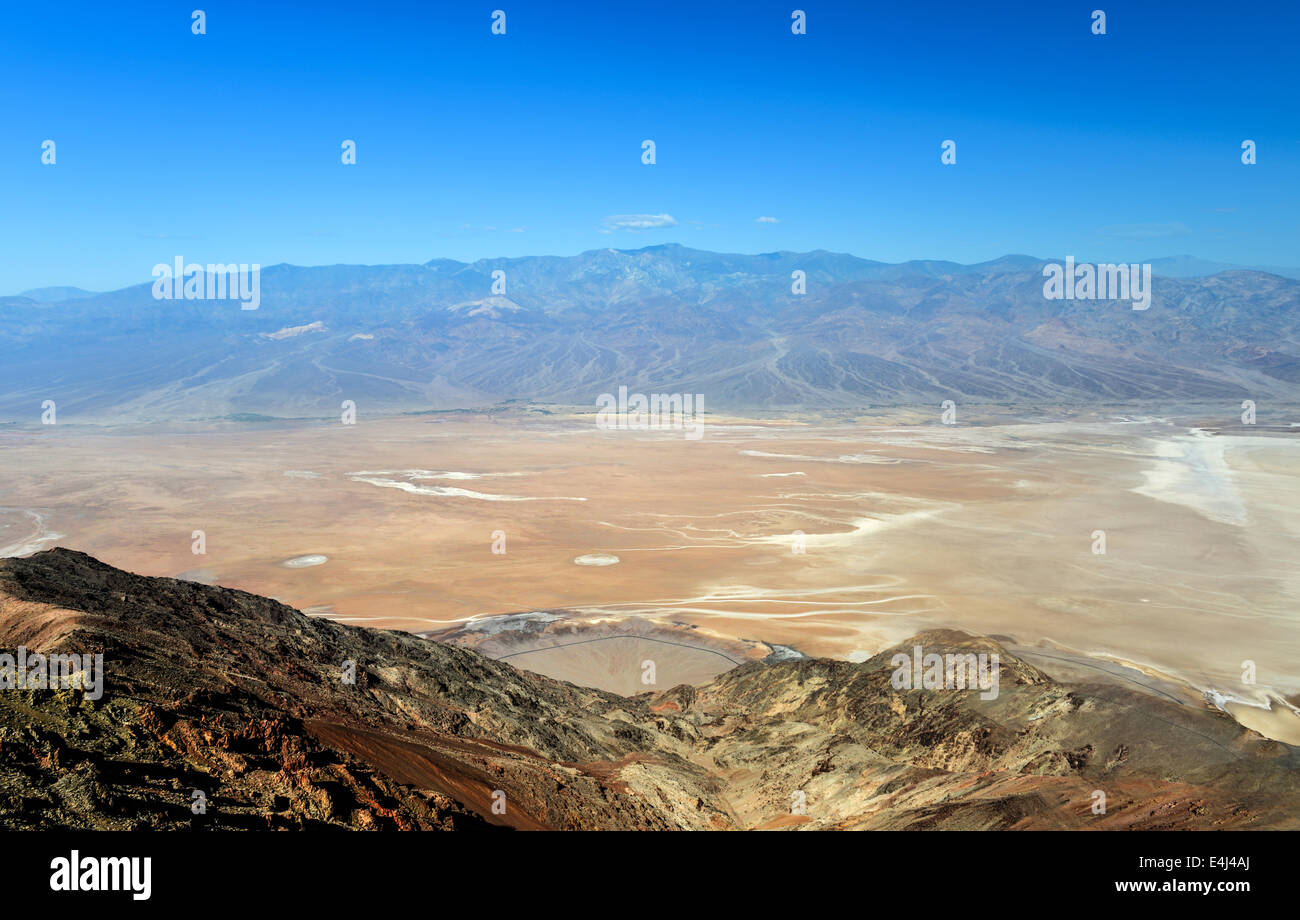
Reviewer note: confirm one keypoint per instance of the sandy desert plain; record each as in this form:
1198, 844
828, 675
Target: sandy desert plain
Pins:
987, 526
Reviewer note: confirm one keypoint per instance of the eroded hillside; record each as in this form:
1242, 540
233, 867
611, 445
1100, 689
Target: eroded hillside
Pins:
245, 700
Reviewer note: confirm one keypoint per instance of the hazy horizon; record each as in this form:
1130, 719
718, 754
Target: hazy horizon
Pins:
1197, 265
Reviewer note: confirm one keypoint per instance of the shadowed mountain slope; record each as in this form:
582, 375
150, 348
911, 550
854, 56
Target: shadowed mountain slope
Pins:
660, 319
241, 697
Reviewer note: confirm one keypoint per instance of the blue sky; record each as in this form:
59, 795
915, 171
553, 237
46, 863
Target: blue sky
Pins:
226, 147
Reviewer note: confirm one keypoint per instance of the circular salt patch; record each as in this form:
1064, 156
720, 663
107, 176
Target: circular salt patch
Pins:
302, 562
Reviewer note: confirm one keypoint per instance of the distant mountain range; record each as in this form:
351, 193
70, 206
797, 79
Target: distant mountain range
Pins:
1192, 267
56, 294
660, 319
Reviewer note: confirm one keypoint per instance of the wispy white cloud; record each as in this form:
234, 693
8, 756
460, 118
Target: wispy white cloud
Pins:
636, 222
767, 220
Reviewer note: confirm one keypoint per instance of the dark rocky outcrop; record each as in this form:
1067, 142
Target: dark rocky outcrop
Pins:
244, 699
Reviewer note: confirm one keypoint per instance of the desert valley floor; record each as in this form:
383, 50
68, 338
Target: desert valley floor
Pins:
686, 551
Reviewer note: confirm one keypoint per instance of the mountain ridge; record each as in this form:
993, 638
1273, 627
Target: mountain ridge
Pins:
658, 319
1180, 266
241, 698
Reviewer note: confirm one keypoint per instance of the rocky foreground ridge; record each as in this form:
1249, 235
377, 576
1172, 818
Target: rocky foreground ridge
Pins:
242, 698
